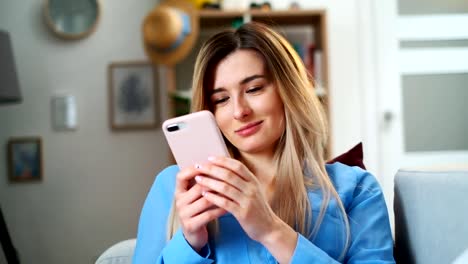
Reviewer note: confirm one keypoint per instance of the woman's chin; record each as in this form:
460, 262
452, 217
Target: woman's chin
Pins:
253, 148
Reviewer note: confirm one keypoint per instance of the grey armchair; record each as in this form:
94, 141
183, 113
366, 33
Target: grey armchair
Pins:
431, 213
119, 253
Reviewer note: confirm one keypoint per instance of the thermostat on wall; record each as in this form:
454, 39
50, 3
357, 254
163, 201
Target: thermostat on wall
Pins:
64, 115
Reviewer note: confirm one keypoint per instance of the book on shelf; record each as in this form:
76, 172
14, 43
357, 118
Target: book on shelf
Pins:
318, 73
302, 40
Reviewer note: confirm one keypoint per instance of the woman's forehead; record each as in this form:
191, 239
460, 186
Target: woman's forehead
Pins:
238, 66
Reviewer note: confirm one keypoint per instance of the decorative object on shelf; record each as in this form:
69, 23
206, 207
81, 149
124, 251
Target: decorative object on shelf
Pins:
265, 6
71, 19
9, 84
207, 4
235, 5
133, 95
211, 6
25, 159
170, 31
237, 22
198, 4
294, 6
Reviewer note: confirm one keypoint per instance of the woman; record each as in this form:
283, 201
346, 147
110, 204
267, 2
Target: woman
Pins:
275, 200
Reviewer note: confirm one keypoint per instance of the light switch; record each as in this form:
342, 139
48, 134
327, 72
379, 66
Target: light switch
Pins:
64, 114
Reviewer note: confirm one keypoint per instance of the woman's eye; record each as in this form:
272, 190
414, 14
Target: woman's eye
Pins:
220, 100
254, 89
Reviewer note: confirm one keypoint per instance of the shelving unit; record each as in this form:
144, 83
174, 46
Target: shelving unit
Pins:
212, 21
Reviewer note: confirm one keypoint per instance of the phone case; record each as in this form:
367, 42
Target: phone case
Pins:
193, 138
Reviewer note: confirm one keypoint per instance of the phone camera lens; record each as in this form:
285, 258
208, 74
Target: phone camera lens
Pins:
172, 128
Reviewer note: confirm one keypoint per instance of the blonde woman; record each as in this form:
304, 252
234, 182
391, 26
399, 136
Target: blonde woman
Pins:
275, 201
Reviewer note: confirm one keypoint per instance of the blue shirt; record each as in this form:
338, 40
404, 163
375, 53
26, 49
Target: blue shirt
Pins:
371, 238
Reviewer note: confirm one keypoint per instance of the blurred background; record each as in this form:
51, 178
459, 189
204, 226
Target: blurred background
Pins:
392, 74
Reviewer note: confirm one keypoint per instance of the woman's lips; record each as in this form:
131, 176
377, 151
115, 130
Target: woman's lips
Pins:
249, 129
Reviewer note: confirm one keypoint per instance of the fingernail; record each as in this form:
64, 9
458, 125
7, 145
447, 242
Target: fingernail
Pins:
211, 158
198, 178
197, 166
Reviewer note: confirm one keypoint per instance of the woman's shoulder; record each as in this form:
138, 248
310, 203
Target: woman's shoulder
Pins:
167, 175
164, 184
158, 202
351, 182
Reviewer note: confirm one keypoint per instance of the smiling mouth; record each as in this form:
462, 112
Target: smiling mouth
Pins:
249, 129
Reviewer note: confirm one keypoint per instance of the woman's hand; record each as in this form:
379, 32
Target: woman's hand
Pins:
233, 187
194, 211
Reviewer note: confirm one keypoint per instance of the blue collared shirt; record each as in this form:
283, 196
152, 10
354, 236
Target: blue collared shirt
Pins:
371, 238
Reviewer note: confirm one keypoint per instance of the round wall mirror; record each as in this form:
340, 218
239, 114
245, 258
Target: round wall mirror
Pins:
72, 19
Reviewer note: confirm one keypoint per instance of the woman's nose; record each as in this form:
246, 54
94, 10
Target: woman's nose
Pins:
241, 109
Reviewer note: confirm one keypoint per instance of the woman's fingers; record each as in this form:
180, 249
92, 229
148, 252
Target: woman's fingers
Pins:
188, 197
220, 187
233, 165
183, 179
204, 218
223, 174
195, 208
222, 202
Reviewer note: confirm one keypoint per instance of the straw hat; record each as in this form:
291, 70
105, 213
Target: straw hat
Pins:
170, 31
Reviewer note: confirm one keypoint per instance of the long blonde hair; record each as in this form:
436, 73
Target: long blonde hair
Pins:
300, 151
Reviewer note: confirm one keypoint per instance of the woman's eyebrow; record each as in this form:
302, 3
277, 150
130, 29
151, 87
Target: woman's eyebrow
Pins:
243, 81
251, 78
218, 90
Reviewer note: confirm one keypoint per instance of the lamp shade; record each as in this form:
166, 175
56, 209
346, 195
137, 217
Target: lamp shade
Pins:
9, 85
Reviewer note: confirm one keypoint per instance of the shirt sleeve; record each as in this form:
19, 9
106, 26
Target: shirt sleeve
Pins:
371, 238
152, 246
307, 252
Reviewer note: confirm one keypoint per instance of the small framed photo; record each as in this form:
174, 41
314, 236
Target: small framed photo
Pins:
25, 159
133, 96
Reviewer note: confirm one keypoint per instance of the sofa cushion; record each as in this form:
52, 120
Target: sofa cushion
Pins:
353, 157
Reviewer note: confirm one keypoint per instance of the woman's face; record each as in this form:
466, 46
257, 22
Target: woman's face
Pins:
246, 103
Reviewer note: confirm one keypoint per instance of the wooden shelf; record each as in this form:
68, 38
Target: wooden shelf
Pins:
315, 18
275, 13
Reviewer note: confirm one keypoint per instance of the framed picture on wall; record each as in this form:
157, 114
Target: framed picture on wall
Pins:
133, 96
24, 159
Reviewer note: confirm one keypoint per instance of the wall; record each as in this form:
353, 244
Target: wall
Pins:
96, 180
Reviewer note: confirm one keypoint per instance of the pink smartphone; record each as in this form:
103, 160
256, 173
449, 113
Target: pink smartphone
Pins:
193, 138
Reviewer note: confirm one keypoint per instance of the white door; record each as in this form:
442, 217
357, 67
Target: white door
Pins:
422, 95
